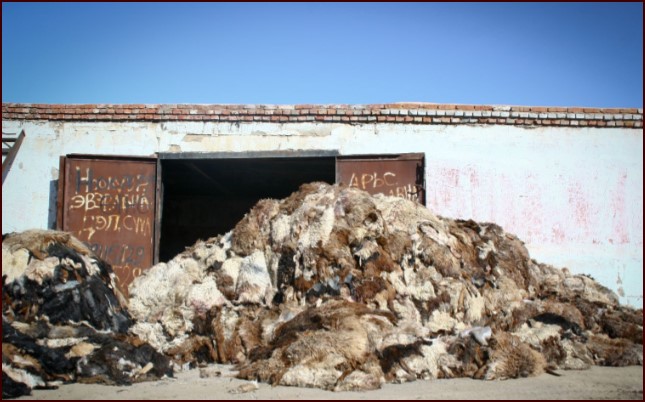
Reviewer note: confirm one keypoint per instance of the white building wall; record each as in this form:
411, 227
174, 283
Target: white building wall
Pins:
574, 195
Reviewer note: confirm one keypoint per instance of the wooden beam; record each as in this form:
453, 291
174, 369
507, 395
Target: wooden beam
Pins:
11, 154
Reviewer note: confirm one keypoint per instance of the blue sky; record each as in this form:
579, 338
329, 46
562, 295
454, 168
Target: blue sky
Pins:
562, 54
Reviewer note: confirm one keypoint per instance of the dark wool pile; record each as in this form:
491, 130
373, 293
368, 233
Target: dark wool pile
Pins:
63, 319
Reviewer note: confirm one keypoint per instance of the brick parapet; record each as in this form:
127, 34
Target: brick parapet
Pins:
407, 113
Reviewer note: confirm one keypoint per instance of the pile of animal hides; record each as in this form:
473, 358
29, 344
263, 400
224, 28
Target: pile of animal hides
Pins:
330, 288
63, 319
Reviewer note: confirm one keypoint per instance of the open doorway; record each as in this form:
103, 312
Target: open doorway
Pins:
206, 195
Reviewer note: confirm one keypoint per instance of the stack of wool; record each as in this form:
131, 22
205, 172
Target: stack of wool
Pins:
337, 289
63, 319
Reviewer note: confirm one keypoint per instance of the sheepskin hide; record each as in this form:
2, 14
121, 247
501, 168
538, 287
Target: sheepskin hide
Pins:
64, 320
335, 288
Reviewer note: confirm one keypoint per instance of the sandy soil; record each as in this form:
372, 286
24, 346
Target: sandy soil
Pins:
596, 383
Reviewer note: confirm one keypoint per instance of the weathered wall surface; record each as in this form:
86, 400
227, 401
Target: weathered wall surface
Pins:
573, 194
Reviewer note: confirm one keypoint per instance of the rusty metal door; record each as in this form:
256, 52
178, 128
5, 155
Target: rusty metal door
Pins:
398, 175
109, 203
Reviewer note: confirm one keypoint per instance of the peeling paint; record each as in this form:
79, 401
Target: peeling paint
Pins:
193, 138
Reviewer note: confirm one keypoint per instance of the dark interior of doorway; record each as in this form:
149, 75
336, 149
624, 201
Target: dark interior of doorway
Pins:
206, 197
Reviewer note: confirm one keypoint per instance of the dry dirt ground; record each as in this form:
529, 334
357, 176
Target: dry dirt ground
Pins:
596, 383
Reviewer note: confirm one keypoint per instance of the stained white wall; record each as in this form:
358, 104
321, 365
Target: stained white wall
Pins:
574, 195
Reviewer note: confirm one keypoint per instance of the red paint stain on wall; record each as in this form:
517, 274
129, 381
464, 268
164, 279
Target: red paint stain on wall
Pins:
620, 223
509, 218
444, 196
474, 179
452, 177
531, 209
579, 204
585, 212
558, 235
